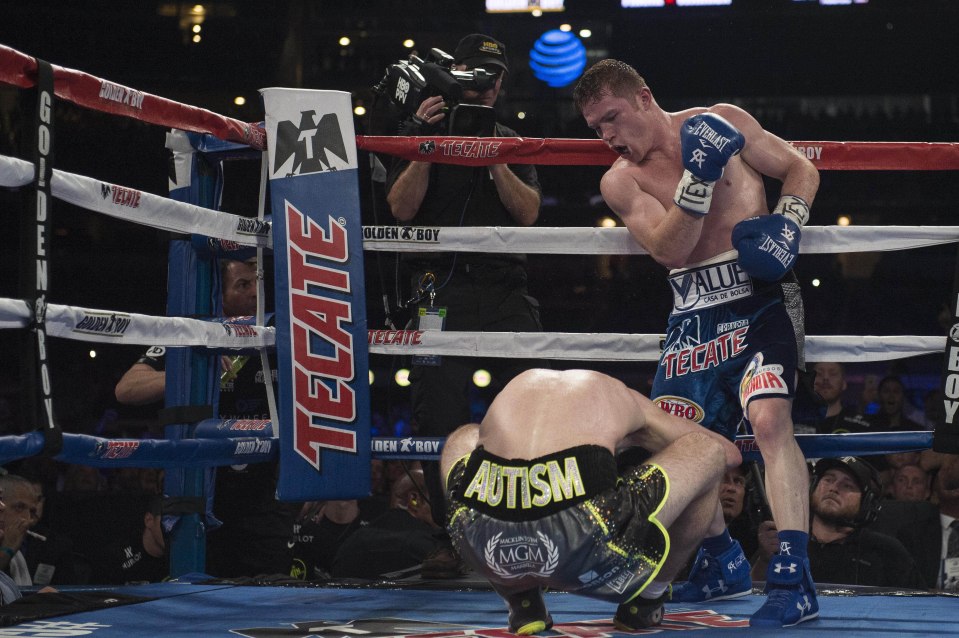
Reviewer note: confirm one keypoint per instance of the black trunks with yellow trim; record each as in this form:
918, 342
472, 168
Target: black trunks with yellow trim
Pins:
521, 489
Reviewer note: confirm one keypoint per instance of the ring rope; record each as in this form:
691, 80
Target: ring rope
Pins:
625, 347
475, 151
20, 70
108, 326
166, 214
617, 241
140, 207
222, 444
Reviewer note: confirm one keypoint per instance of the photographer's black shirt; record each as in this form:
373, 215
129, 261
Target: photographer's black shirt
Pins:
461, 196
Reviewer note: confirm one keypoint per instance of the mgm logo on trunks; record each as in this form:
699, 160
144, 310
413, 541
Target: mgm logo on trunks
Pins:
522, 555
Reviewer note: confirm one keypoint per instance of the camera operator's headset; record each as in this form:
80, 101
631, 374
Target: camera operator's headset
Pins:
868, 479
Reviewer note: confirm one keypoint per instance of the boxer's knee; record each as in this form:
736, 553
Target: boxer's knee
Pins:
459, 443
771, 420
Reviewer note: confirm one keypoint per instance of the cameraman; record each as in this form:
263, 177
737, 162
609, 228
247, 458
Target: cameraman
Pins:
462, 291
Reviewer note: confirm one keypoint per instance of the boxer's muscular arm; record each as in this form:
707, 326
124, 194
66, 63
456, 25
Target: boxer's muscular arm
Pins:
772, 156
768, 246
669, 235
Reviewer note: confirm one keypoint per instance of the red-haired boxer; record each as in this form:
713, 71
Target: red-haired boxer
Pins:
689, 186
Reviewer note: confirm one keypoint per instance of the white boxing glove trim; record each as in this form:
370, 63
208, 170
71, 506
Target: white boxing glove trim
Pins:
694, 195
795, 208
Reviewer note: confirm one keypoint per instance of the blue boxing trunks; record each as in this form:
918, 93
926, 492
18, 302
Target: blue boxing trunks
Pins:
730, 339
565, 521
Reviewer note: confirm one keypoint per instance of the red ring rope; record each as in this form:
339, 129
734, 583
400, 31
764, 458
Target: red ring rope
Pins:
86, 90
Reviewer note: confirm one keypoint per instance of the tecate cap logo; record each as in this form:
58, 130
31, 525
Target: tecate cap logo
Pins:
307, 147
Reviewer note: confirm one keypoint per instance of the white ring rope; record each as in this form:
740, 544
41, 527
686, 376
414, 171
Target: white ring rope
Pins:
623, 347
143, 208
617, 241
167, 214
108, 326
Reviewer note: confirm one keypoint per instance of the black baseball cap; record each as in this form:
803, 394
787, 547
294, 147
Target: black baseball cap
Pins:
862, 472
476, 50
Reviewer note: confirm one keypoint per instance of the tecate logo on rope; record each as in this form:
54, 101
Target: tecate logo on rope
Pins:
394, 337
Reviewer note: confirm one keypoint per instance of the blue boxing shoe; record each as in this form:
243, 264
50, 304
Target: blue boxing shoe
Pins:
722, 577
790, 594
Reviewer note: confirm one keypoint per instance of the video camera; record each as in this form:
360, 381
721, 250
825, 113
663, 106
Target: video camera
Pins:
408, 82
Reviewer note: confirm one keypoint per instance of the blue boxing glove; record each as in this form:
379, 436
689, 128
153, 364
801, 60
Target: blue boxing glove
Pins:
708, 141
767, 245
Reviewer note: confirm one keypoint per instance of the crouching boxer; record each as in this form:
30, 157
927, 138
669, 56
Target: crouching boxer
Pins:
535, 499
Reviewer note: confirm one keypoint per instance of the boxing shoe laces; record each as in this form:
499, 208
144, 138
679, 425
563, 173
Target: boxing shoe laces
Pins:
790, 594
720, 577
527, 613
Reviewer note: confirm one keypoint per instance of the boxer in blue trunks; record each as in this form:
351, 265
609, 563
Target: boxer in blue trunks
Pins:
536, 500
689, 186
719, 356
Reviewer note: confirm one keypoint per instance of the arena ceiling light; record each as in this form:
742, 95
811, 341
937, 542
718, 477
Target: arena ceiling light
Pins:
536, 7
557, 58
652, 4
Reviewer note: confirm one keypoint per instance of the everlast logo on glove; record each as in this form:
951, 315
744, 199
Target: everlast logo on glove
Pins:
777, 252
768, 245
707, 134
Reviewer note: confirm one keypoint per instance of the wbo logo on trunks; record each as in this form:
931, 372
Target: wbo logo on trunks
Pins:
518, 556
709, 286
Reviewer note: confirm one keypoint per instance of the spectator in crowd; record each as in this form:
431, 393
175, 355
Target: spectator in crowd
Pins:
929, 529
49, 555
244, 494
139, 557
735, 498
732, 493
15, 523
910, 482
868, 402
12, 532
830, 385
947, 493
395, 542
321, 529
463, 291
843, 548
891, 416
21, 512
145, 381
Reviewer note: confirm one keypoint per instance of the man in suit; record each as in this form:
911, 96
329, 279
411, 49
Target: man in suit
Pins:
924, 528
